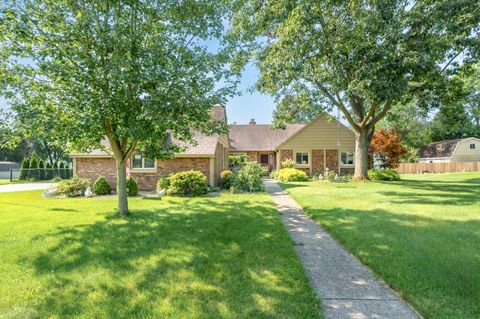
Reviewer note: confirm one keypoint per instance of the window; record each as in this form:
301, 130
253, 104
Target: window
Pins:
472, 146
347, 158
264, 158
301, 158
141, 163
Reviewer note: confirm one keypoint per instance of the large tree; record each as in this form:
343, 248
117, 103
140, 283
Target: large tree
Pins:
359, 56
129, 71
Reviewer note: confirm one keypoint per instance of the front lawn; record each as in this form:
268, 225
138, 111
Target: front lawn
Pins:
422, 235
212, 257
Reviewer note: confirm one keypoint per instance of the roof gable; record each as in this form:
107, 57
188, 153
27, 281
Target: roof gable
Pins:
441, 148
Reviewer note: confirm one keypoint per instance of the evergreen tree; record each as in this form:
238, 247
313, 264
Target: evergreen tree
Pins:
49, 171
34, 171
61, 170
41, 170
24, 169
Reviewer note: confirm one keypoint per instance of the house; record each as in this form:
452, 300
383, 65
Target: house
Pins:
315, 147
5, 168
459, 150
209, 155
323, 144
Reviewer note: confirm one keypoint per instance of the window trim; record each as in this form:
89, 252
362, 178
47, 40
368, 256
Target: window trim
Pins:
143, 169
353, 159
309, 162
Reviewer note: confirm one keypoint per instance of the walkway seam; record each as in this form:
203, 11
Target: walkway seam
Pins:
346, 287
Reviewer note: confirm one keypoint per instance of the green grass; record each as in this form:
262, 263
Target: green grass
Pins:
212, 257
4, 181
7, 181
422, 235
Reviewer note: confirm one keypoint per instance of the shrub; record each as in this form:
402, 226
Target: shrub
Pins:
57, 179
23, 175
376, 174
236, 162
274, 174
227, 179
48, 171
292, 175
34, 171
74, 187
188, 183
101, 186
249, 179
132, 187
41, 170
288, 163
163, 183
330, 175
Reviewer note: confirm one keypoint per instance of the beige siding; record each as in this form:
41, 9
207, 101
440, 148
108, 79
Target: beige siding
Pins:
463, 153
321, 134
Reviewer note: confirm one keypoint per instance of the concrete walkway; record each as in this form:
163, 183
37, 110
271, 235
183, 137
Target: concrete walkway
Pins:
346, 288
24, 187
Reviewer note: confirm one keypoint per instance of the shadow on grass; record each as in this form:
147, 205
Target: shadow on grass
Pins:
205, 258
435, 263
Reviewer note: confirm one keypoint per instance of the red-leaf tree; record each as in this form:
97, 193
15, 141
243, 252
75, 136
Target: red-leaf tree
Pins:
387, 147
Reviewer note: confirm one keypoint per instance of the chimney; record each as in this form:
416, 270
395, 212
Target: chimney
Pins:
252, 122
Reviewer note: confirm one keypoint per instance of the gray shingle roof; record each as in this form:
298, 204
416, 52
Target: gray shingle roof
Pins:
439, 149
259, 137
6, 166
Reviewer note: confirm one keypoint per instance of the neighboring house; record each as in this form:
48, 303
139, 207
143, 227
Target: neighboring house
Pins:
5, 168
209, 155
459, 150
315, 147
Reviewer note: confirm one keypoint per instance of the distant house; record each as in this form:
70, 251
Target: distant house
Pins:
323, 144
315, 147
459, 150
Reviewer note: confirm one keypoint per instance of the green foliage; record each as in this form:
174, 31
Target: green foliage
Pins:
292, 175
376, 174
227, 179
330, 175
188, 183
74, 187
288, 163
163, 182
61, 170
132, 187
41, 170
236, 162
274, 174
49, 171
411, 156
23, 175
34, 172
57, 179
102, 186
249, 179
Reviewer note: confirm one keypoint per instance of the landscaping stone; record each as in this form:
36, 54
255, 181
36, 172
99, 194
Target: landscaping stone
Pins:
347, 288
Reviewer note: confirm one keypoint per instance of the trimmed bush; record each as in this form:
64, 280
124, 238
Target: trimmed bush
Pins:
249, 179
288, 163
101, 186
41, 170
34, 171
188, 183
376, 174
274, 174
292, 175
132, 187
227, 179
74, 187
23, 175
163, 183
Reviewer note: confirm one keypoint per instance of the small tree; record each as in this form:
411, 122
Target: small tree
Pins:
386, 144
34, 171
41, 170
24, 169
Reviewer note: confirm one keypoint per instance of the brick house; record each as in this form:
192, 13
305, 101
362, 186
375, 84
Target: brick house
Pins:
315, 147
322, 144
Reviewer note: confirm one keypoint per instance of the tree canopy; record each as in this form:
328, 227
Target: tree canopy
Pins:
130, 71
360, 56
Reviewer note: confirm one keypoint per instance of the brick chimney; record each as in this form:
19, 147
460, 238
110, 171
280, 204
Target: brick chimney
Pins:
252, 122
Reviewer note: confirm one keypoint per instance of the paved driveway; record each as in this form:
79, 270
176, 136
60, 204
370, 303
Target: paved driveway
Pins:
24, 187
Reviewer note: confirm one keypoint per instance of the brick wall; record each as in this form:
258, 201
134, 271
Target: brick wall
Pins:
332, 160
285, 154
347, 170
318, 161
92, 168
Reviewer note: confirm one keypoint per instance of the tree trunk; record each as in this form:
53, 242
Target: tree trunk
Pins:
362, 142
122, 187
